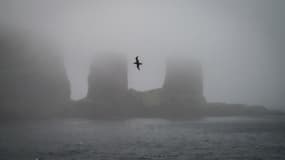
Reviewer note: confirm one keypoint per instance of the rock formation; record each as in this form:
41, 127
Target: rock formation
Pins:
181, 96
183, 87
108, 76
34, 84
108, 87
182, 93
33, 81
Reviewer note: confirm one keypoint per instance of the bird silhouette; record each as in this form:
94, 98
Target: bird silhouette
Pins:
137, 62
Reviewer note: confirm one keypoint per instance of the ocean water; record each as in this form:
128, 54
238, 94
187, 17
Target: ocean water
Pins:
228, 138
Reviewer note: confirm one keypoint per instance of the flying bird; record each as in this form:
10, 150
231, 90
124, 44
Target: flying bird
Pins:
137, 62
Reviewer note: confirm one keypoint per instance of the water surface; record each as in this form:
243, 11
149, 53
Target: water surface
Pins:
231, 138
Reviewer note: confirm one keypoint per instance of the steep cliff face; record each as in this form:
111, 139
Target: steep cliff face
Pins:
108, 86
108, 76
183, 86
33, 81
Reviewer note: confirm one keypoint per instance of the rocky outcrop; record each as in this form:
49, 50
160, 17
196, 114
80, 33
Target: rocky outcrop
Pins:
34, 84
108, 94
33, 81
182, 92
108, 76
224, 109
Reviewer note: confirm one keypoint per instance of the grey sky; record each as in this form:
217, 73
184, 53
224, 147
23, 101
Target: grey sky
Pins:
240, 43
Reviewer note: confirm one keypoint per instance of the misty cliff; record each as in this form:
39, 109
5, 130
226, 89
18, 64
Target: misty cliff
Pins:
33, 81
108, 95
182, 91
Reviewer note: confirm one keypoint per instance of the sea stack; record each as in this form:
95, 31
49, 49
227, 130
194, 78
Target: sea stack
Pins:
183, 87
33, 81
108, 76
108, 85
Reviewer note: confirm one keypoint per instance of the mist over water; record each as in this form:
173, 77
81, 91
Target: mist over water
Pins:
211, 79
238, 42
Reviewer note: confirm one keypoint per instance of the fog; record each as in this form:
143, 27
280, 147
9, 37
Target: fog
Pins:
240, 43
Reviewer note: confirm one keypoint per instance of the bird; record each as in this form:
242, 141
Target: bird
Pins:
137, 62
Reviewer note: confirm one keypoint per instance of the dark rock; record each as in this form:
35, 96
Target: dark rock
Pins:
108, 95
182, 93
33, 81
108, 76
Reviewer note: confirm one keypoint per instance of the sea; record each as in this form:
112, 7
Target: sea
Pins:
215, 138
